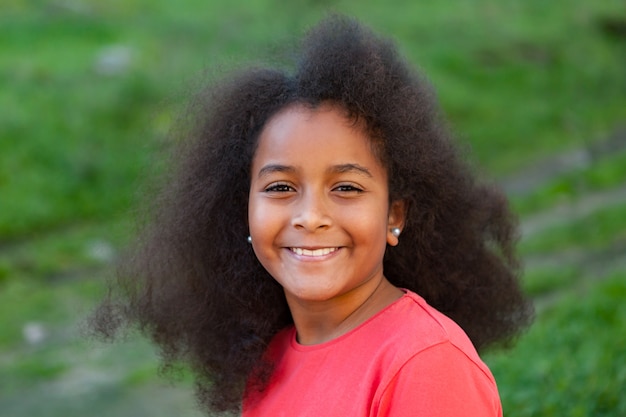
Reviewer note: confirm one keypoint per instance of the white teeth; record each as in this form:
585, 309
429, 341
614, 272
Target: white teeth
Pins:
316, 252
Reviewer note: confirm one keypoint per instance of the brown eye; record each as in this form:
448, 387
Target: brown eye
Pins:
279, 188
348, 188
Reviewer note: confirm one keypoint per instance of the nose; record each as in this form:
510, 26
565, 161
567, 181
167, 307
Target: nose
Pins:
311, 212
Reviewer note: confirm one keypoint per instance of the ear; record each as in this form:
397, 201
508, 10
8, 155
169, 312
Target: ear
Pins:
397, 217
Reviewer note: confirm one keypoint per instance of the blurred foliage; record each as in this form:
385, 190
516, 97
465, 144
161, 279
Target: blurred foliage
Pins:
90, 82
602, 229
571, 362
89, 93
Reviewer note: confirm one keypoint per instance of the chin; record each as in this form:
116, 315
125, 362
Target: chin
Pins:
313, 294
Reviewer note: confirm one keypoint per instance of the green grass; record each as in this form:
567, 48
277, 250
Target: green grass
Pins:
516, 81
601, 229
549, 279
604, 174
69, 251
569, 362
519, 81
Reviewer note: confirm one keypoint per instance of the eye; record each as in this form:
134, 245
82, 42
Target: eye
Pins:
279, 187
348, 188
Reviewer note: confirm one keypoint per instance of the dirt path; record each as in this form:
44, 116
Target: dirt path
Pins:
573, 211
553, 166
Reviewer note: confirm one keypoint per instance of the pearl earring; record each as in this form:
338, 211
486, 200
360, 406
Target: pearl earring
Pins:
249, 239
396, 231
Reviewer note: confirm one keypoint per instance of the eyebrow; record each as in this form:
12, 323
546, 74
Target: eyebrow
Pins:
343, 168
272, 168
335, 169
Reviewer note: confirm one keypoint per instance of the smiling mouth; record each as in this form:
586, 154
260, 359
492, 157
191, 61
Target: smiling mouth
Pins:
313, 252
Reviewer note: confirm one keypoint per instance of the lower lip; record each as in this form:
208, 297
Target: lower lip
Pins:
308, 258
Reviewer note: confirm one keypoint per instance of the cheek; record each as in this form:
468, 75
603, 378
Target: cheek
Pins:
368, 230
262, 220
256, 220
255, 217
372, 217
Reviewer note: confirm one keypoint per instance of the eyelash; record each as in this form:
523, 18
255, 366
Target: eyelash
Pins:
348, 188
284, 188
279, 188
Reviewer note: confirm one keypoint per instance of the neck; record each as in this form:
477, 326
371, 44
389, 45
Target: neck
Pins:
321, 321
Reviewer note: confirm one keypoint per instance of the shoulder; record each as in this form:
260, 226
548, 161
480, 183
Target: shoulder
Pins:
419, 326
419, 330
435, 365
439, 381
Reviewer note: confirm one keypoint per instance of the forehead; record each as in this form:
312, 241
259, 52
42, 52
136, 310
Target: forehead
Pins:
325, 134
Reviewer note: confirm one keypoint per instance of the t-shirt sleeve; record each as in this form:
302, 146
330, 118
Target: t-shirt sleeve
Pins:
441, 381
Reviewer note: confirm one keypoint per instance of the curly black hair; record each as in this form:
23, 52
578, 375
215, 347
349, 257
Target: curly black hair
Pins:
192, 283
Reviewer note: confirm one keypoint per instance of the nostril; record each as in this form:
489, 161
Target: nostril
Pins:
312, 211
311, 220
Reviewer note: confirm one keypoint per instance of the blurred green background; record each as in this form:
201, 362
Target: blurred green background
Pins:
89, 89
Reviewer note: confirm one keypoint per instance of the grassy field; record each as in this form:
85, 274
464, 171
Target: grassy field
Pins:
90, 89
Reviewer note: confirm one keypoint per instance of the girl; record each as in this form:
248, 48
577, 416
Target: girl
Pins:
322, 250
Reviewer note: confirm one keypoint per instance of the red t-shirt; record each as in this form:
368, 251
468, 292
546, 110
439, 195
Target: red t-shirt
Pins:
407, 360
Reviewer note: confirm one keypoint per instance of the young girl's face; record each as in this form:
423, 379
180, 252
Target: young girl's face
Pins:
319, 212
